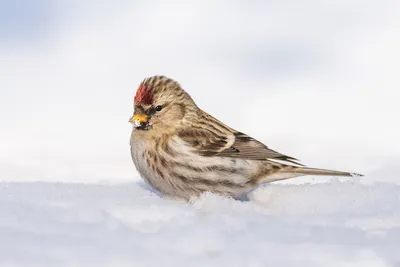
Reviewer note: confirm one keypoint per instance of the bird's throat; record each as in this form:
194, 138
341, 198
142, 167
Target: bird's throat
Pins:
144, 126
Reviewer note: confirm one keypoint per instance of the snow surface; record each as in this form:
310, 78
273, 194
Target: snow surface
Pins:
328, 224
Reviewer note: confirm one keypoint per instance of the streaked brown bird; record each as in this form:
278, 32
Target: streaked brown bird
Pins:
182, 151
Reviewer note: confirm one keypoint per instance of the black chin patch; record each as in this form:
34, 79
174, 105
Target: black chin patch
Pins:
144, 126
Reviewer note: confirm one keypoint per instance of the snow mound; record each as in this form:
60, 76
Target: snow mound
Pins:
331, 224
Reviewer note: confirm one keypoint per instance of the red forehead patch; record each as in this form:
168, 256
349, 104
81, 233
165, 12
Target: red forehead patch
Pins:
143, 96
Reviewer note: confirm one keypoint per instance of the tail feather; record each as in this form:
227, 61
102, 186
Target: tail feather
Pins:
287, 172
313, 171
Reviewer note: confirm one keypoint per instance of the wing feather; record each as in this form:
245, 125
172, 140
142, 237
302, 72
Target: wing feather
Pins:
229, 143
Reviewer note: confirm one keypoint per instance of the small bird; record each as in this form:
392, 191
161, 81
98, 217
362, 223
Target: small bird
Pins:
182, 151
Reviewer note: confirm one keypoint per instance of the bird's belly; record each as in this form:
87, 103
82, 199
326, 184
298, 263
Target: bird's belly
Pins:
184, 175
224, 176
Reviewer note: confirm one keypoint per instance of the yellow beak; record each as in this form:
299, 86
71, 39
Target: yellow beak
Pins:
138, 119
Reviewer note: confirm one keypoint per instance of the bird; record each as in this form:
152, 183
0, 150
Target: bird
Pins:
183, 152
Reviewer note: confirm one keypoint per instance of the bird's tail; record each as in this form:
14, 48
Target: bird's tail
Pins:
313, 171
288, 172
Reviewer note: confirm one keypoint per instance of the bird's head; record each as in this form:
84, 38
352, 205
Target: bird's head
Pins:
160, 102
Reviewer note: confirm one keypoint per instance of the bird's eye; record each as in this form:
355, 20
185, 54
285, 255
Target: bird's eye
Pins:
158, 108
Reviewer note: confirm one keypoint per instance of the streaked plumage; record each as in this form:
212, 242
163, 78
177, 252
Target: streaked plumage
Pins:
182, 151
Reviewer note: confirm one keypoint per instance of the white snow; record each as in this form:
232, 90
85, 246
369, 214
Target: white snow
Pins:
335, 224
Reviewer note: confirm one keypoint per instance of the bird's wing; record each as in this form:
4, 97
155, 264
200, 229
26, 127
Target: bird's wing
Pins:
233, 144
247, 147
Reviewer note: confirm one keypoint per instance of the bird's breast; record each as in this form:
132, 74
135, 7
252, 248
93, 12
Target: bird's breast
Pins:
174, 168
139, 151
